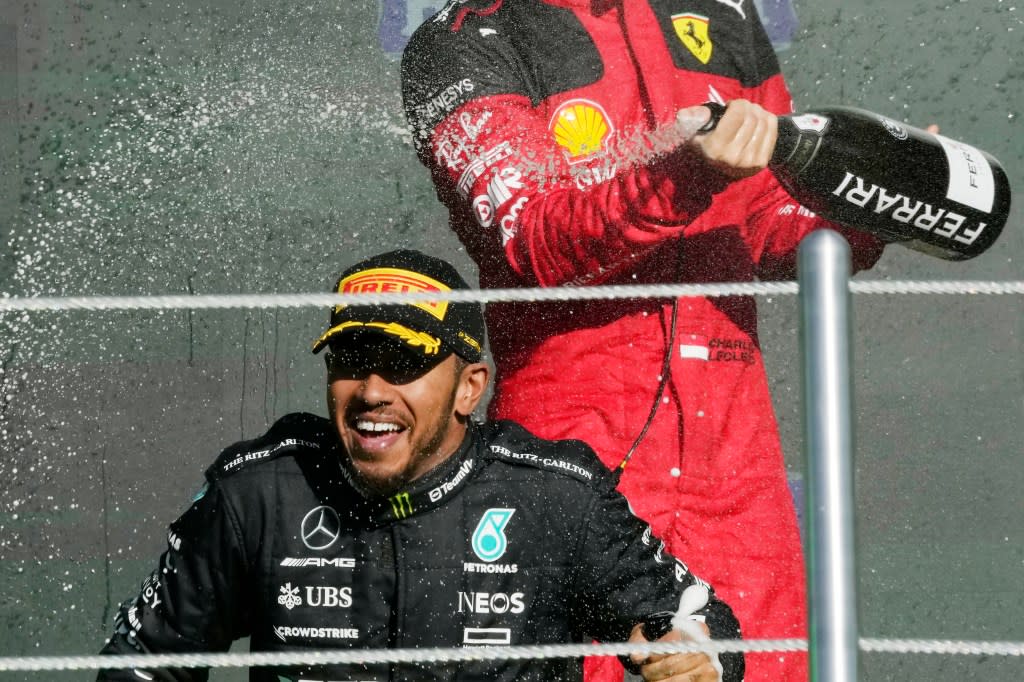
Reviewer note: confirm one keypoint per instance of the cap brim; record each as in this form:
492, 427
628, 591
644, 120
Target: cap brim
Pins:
416, 341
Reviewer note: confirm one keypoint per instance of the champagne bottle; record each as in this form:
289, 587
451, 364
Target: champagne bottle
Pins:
903, 184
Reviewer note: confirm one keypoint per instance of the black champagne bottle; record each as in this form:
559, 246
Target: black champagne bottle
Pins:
903, 184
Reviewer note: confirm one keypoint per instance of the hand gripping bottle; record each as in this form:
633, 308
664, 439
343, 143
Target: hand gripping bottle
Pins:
905, 185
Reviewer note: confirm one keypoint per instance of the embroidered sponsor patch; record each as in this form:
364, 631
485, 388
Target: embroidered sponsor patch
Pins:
692, 30
383, 280
581, 127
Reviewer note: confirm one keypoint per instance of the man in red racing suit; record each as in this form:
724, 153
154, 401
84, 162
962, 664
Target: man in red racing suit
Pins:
544, 124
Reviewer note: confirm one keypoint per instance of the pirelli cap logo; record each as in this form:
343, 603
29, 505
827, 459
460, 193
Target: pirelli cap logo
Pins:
426, 322
692, 30
387, 280
581, 127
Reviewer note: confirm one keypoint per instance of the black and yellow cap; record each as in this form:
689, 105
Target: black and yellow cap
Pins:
432, 328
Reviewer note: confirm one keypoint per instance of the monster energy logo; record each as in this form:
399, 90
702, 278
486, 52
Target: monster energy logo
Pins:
401, 505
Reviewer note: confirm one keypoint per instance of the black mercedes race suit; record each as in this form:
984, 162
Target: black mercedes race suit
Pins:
513, 540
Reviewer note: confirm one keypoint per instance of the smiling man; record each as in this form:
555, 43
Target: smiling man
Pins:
399, 522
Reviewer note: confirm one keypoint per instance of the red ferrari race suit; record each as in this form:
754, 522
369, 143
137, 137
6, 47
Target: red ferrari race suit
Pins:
540, 122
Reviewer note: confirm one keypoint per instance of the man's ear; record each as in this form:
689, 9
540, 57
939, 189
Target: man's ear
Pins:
473, 382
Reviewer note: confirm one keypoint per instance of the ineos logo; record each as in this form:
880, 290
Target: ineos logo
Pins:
320, 527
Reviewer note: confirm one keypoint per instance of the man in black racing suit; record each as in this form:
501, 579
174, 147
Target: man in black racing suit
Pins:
398, 522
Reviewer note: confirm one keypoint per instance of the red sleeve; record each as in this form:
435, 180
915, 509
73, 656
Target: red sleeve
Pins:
494, 162
519, 203
777, 223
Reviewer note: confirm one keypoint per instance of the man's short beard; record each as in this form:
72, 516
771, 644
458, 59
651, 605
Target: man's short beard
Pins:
393, 484
430, 449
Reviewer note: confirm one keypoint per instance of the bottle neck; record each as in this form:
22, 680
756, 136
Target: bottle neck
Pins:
795, 149
786, 142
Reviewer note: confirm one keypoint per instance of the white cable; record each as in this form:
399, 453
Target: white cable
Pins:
942, 646
326, 300
936, 287
379, 656
441, 655
264, 301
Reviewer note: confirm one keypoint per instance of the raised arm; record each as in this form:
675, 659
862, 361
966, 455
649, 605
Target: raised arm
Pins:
554, 189
558, 213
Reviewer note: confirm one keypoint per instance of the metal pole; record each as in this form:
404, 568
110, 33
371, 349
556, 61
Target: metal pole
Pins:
824, 267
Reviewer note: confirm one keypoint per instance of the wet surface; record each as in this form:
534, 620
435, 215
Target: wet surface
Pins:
222, 148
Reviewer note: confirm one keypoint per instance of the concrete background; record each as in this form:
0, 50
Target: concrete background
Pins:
244, 147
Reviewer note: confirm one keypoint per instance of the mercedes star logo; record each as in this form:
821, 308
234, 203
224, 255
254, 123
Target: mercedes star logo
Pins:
320, 527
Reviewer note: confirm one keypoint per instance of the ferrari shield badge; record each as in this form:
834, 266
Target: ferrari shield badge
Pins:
692, 30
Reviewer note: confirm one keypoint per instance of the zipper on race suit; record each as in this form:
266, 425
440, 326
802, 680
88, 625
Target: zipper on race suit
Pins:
641, 82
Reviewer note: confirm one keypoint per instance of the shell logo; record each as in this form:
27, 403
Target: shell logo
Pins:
581, 127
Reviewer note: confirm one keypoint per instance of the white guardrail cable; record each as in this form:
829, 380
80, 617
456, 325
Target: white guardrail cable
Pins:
467, 655
264, 301
440, 655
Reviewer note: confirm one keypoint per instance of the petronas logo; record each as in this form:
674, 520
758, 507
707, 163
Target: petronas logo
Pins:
489, 541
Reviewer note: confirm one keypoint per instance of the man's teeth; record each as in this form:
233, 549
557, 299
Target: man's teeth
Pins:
376, 427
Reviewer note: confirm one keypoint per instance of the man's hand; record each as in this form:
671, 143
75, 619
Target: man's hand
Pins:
743, 141
683, 667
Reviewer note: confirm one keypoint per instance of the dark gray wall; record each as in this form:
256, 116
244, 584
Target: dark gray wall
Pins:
226, 147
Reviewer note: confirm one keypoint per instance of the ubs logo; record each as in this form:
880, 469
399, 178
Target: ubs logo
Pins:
320, 527
489, 541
